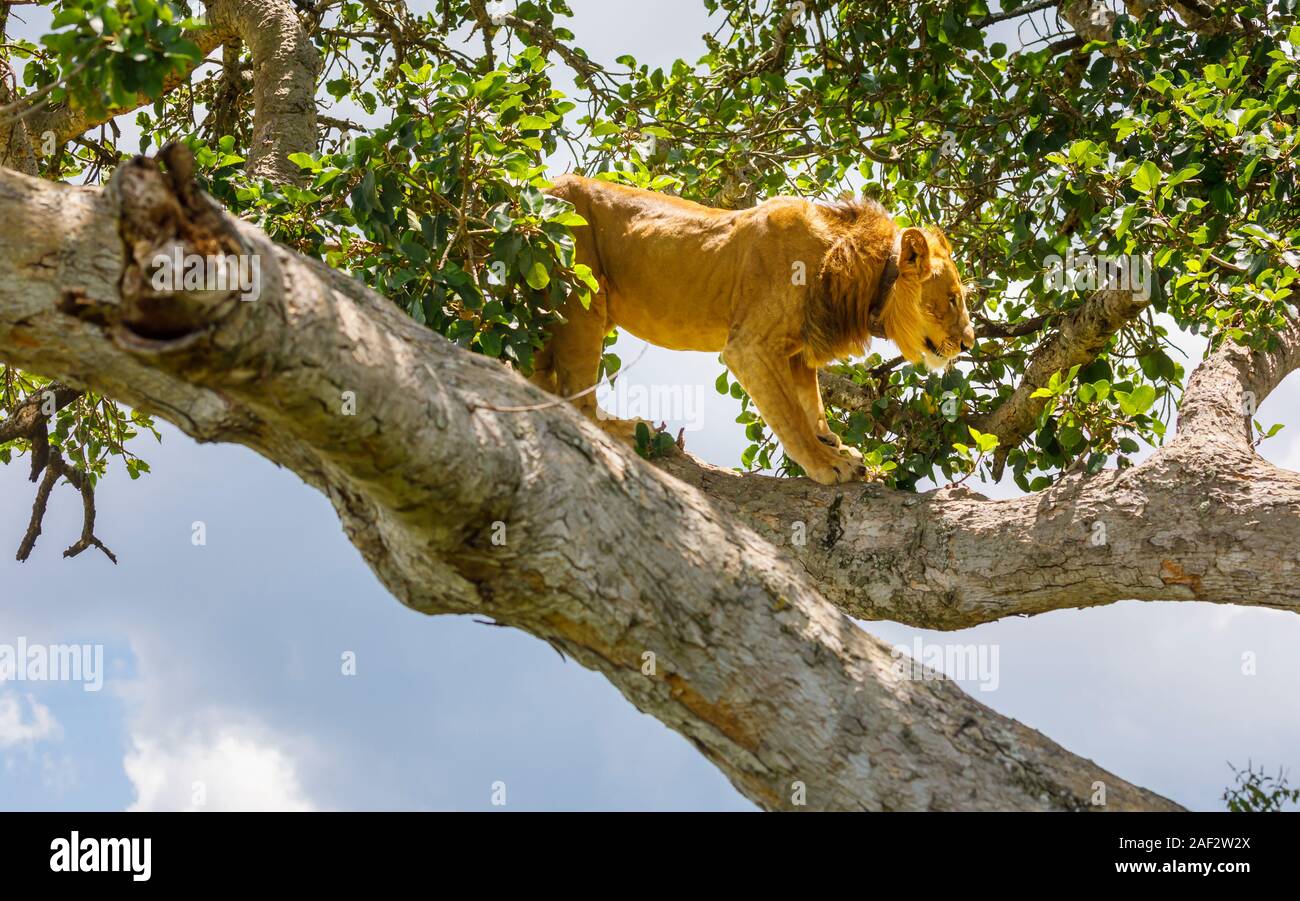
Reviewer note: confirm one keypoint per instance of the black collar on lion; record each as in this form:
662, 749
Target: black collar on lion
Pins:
888, 276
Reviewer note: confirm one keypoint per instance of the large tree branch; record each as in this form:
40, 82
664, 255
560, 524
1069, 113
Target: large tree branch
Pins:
1225, 391
16, 149
1205, 518
1181, 526
690, 613
285, 64
1092, 20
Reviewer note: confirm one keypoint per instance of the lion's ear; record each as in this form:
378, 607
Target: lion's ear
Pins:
914, 253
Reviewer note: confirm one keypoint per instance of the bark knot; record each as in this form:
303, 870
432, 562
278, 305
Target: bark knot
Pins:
163, 216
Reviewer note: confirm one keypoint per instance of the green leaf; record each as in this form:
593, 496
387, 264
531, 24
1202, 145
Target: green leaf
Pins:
986, 442
1137, 401
1183, 174
1070, 437
490, 343
1147, 177
570, 219
536, 275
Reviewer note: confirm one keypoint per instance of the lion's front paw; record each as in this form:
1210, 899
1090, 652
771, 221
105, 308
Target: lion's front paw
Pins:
834, 469
831, 440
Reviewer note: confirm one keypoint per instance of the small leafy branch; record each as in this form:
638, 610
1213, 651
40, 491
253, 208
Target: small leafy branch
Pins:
654, 445
971, 456
1263, 433
1081, 416
1258, 792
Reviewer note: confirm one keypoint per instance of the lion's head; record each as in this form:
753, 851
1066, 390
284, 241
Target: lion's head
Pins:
925, 314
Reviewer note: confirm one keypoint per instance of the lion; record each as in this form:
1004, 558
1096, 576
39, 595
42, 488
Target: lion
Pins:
780, 290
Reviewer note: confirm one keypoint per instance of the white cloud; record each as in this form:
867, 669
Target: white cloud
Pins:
227, 769
59, 773
15, 729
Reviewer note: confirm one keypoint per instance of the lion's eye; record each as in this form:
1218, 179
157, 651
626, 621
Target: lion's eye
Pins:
952, 299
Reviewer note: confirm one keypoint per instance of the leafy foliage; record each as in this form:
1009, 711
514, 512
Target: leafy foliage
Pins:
1024, 143
89, 432
1258, 792
103, 54
651, 445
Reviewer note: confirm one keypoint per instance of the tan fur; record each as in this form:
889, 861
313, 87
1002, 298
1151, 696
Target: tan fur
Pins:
689, 277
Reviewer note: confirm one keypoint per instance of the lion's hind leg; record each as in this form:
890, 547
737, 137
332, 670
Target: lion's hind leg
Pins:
543, 370
575, 350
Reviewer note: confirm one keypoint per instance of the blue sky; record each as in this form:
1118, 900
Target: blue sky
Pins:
224, 690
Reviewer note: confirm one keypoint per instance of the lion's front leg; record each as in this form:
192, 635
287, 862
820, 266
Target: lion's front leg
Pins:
809, 395
768, 379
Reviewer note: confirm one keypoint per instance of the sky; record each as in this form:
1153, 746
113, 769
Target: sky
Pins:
268, 669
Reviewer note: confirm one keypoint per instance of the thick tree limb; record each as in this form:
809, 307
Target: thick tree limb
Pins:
1204, 519
690, 613
285, 64
1226, 390
16, 149
1182, 526
1092, 20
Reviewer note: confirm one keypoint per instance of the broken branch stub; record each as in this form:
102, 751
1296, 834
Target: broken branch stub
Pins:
176, 243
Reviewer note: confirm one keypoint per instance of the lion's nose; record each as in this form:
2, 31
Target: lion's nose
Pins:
968, 338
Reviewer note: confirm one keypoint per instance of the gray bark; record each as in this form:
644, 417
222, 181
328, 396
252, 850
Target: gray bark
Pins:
285, 64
